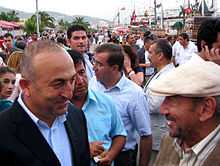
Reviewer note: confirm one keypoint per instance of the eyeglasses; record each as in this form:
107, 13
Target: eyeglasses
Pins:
7, 81
97, 63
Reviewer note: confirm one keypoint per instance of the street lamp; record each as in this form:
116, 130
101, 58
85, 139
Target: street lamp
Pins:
37, 18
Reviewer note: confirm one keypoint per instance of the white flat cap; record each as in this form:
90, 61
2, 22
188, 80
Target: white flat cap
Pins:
196, 78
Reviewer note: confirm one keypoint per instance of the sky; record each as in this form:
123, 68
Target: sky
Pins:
106, 9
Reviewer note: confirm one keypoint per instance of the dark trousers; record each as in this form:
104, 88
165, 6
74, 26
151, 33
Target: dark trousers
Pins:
126, 158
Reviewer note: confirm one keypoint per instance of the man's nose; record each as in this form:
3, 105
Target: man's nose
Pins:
68, 90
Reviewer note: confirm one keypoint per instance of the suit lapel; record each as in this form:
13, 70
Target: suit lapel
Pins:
30, 136
70, 128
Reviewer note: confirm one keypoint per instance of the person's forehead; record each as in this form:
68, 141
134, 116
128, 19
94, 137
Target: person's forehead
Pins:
102, 56
79, 33
58, 57
8, 74
181, 38
152, 46
8, 38
79, 66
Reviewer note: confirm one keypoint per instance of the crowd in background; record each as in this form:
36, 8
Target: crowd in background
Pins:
118, 79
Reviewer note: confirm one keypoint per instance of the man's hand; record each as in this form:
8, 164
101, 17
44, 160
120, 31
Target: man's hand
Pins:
106, 159
96, 148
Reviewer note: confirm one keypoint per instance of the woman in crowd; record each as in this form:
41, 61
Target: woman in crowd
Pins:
14, 63
7, 84
131, 68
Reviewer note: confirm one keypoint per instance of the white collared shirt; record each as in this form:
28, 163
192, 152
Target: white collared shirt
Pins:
56, 135
200, 151
89, 67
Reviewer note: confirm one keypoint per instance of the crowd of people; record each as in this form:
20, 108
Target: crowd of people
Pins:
135, 100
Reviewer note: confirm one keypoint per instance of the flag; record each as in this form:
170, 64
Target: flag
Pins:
133, 17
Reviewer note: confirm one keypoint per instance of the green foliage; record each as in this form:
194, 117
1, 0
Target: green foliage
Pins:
30, 25
64, 24
81, 21
9, 16
45, 20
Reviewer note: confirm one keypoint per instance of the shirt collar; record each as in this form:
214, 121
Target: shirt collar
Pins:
90, 98
59, 119
199, 147
119, 85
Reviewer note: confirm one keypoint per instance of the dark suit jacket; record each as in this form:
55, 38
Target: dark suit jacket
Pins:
22, 144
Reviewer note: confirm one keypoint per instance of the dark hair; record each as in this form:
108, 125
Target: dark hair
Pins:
115, 54
149, 38
76, 56
208, 32
61, 40
132, 55
163, 45
184, 35
8, 35
127, 37
6, 69
74, 28
21, 44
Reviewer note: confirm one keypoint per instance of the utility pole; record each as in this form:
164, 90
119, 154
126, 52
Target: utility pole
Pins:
118, 17
155, 12
203, 7
37, 18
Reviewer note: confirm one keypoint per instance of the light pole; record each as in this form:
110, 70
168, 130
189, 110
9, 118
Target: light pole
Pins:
37, 18
155, 12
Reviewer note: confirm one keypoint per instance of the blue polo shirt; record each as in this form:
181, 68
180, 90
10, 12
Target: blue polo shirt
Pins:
132, 105
103, 121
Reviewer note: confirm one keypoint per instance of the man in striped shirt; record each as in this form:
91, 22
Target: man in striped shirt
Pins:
191, 108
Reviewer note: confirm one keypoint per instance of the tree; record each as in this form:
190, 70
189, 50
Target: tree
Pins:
183, 14
178, 26
64, 24
81, 21
9, 16
45, 20
30, 25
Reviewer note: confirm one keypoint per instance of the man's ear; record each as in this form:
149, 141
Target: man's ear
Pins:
115, 68
208, 108
68, 42
25, 86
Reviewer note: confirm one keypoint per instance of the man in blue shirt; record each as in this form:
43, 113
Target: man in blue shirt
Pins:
105, 128
129, 99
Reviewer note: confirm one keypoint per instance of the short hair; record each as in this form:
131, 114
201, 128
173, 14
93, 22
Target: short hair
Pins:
150, 38
217, 98
127, 37
34, 49
208, 32
184, 35
115, 54
76, 57
20, 44
163, 45
6, 69
74, 28
14, 60
8, 35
